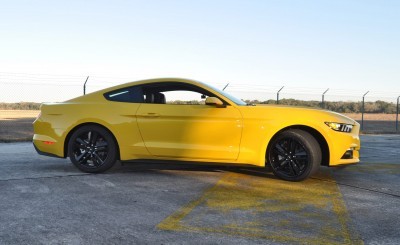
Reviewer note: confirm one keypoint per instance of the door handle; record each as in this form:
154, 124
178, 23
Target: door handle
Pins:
151, 114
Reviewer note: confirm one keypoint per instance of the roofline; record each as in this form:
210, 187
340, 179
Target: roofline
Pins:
152, 80
155, 80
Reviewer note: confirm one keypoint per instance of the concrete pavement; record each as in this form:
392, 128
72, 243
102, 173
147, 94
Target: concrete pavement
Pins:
48, 201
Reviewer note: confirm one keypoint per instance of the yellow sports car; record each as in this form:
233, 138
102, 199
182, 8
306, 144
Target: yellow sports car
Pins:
189, 121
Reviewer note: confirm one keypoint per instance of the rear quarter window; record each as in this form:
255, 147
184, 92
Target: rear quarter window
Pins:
128, 95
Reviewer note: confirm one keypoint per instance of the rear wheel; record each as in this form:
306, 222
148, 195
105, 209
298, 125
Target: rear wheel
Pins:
92, 149
294, 155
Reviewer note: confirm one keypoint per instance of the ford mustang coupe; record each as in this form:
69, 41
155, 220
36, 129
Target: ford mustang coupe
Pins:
183, 120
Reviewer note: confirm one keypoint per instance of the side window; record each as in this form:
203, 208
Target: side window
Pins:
129, 95
175, 93
184, 97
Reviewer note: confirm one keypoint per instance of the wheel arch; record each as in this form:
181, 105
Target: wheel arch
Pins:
315, 133
68, 137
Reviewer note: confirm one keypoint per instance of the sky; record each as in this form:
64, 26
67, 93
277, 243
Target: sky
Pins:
48, 48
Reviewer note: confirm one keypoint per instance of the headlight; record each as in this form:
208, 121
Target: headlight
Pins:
342, 127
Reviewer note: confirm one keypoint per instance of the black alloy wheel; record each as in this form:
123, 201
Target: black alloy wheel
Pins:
92, 149
294, 155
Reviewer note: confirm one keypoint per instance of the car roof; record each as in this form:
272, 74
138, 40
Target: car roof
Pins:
99, 94
155, 80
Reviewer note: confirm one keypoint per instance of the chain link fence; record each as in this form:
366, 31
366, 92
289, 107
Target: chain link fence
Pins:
376, 111
21, 96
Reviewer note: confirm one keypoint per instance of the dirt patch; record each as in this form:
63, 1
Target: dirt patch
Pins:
16, 125
378, 127
372, 116
19, 129
376, 123
14, 114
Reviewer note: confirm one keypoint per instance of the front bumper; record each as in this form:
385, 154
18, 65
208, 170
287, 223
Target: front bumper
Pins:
345, 148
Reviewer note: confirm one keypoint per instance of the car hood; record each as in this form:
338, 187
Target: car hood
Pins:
288, 113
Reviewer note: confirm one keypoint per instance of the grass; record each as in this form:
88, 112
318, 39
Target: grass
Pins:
16, 125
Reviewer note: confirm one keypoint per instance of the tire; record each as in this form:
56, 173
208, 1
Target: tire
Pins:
294, 155
92, 149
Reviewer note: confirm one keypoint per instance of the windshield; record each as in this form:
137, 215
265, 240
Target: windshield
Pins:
231, 97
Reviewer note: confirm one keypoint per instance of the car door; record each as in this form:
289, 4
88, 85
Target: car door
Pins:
193, 131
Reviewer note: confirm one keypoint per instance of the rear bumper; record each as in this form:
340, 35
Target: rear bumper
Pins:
47, 140
48, 146
45, 153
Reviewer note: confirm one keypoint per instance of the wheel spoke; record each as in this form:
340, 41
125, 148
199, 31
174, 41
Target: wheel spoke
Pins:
300, 151
290, 169
92, 136
301, 156
101, 146
281, 163
278, 149
292, 145
79, 146
295, 168
300, 164
81, 158
97, 160
80, 141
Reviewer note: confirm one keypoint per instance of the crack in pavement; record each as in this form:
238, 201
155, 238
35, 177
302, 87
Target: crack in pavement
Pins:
46, 177
358, 187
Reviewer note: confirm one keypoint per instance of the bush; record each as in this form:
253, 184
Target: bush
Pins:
20, 106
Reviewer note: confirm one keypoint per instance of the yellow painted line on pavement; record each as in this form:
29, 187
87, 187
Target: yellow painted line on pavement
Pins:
308, 212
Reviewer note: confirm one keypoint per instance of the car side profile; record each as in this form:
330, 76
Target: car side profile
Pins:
173, 119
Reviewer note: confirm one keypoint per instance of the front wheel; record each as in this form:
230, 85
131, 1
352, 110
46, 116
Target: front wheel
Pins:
92, 149
294, 155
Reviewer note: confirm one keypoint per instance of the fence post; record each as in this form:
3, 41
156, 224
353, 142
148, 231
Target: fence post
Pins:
84, 86
397, 115
362, 111
277, 95
323, 97
225, 86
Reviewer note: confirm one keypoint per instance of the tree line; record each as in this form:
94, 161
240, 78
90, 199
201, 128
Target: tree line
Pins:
20, 106
378, 106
